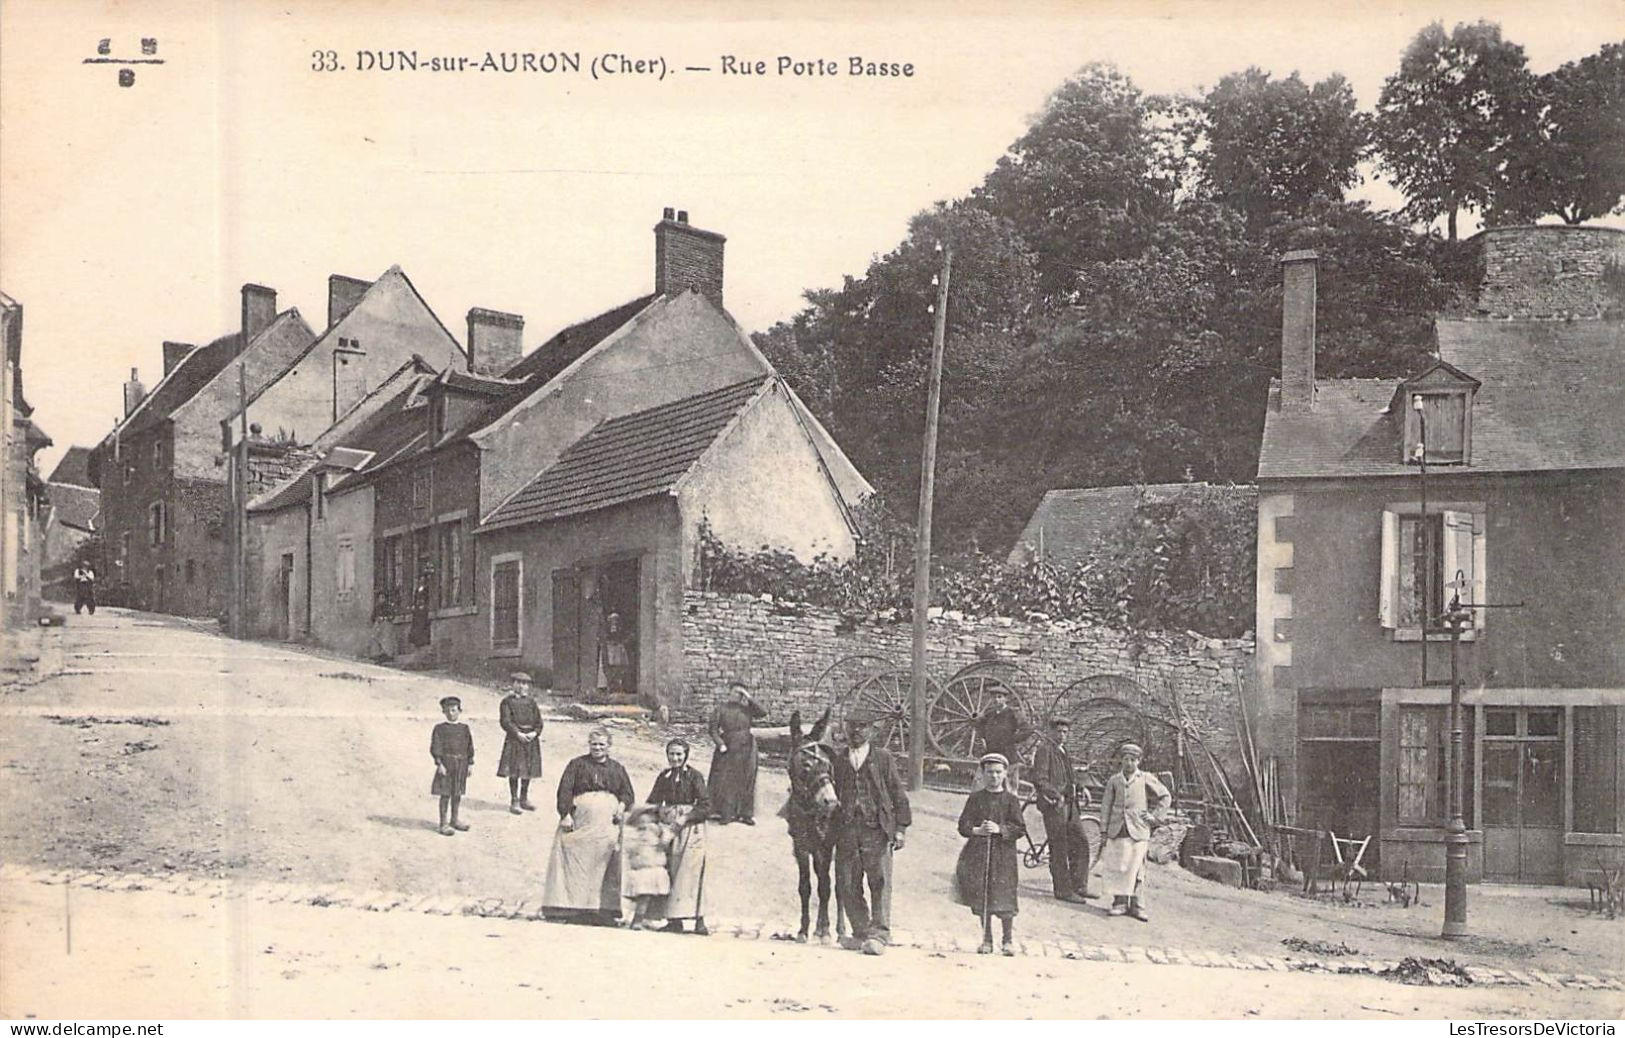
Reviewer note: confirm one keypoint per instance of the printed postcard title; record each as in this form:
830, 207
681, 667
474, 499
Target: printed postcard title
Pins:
613, 64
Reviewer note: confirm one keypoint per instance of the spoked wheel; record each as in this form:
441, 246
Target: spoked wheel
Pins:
1033, 857
841, 676
884, 698
951, 717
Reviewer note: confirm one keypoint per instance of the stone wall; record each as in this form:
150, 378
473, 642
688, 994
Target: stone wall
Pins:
1551, 271
779, 651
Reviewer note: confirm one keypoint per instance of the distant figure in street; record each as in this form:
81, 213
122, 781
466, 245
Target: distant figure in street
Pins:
985, 877
1057, 786
521, 720
381, 645
684, 805
84, 588
645, 844
733, 765
1001, 730
1125, 818
452, 747
418, 634
584, 872
875, 818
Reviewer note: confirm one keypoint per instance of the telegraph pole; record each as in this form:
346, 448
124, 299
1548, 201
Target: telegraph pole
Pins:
239, 514
922, 537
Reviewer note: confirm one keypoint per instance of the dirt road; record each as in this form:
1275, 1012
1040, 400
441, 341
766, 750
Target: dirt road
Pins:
161, 748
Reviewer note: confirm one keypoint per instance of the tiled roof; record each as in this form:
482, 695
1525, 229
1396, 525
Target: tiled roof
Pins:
628, 458
74, 506
386, 434
1068, 523
73, 468
1552, 397
185, 379
462, 380
541, 365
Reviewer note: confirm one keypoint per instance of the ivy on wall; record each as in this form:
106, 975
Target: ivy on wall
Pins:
1184, 563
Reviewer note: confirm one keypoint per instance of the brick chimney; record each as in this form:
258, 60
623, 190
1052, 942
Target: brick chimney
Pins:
495, 340
343, 293
259, 310
134, 393
174, 353
687, 257
1298, 272
1551, 271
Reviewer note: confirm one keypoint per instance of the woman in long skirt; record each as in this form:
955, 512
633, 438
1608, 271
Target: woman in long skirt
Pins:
986, 874
583, 874
684, 805
733, 765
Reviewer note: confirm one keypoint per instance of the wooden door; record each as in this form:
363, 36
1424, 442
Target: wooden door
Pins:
285, 608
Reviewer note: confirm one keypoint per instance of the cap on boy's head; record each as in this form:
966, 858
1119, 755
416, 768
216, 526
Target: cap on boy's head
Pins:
1061, 721
1130, 749
995, 758
446, 701
519, 677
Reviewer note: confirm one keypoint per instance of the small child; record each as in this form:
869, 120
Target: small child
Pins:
645, 842
452, 747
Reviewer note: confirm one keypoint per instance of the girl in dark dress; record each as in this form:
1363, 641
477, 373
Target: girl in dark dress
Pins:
452, 747
986, 875
521, 761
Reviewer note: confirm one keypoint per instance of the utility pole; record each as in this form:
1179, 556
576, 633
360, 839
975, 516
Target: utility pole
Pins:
922, 537
239, 514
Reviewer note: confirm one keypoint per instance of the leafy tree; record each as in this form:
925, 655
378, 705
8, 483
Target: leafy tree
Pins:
1079, 183
1574, 166
1447, 120
1273, 146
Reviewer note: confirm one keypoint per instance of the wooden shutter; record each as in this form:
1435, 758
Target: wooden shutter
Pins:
505, 605
1458, 556
1387, 588
566, 629
1596, 769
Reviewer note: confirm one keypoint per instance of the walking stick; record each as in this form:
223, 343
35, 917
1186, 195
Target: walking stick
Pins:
987, 895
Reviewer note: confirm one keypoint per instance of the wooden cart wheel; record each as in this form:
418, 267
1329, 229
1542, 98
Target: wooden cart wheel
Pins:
883, 698
951, 716
839, 677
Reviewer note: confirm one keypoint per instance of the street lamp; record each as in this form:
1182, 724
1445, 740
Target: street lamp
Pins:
1457, 617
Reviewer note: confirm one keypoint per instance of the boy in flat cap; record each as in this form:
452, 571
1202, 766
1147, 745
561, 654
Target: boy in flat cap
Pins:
985, 876
521, 720
1126, 817
452, 747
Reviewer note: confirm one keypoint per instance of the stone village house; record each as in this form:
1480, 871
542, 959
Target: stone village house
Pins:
23, 502
536, 496
163, 470
75, 509
1524, 418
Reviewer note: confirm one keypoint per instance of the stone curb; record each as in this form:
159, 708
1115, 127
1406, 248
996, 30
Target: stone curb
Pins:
336, 896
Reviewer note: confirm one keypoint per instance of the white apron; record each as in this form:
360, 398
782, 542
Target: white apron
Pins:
584, 873
1121, 867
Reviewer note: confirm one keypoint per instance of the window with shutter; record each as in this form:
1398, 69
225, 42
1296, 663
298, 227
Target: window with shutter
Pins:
1596, 769
1423, 558
505, 585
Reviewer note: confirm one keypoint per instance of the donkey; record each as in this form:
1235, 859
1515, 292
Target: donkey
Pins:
812, 816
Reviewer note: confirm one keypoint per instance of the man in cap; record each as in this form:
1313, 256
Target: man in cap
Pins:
875, 818
1000, 729
1057, 787
1126, 815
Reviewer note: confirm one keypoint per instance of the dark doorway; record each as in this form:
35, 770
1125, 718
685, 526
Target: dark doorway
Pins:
285, 612
1339, 768
597, 610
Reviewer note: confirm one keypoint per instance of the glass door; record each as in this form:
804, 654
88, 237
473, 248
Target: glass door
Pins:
1523, 794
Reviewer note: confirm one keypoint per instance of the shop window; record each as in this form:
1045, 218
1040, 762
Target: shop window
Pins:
1423, 781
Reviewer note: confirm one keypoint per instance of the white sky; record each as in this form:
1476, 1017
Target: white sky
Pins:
130, 216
